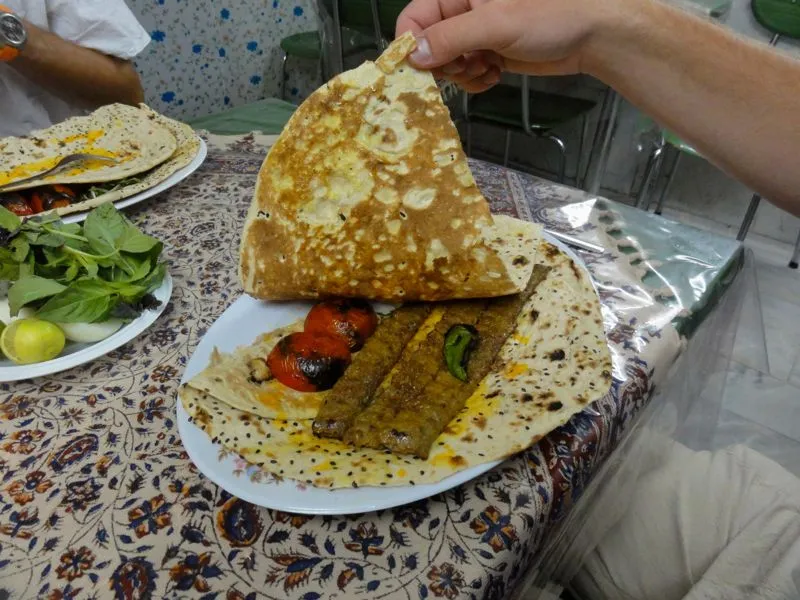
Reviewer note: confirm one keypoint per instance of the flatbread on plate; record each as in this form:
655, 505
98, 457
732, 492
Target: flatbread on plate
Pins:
118, 131
229, 376
367, 193
188, 144
555, 363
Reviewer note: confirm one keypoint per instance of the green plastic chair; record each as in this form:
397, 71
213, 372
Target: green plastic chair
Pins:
534, 113
268, 116
782, 19
373, 18
369, 17
308, 45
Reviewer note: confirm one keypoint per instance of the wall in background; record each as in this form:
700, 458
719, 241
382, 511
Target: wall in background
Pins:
208, 56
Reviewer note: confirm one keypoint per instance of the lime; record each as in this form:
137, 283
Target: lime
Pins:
27, 341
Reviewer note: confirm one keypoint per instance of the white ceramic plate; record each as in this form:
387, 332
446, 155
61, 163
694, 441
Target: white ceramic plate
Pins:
75, 354
170, 181
238, 326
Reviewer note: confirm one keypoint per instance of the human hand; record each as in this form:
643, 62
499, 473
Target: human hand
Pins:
471, 41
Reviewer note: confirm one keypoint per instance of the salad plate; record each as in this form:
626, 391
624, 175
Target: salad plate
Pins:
75, 354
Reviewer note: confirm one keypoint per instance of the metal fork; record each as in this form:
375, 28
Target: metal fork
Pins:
60, 166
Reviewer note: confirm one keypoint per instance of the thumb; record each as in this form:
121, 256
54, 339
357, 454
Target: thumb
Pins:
446, 40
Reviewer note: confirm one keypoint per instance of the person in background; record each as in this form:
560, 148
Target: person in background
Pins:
61, 58
721, 525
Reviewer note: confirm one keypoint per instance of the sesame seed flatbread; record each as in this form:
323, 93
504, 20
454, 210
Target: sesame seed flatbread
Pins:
554, 364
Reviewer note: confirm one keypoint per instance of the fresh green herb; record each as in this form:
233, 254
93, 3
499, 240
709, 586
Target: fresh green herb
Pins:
71, 273
104, 188
30, 289
459, 342
9, 221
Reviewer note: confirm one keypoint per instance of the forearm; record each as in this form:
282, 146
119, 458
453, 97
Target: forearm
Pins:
736, 103
83, 76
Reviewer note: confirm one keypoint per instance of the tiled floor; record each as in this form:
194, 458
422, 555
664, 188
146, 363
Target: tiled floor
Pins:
761, 403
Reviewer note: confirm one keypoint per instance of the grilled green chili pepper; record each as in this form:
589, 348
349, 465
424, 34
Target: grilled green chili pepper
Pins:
459, 342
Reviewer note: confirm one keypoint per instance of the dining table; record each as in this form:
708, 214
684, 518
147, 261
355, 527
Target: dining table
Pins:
99, 499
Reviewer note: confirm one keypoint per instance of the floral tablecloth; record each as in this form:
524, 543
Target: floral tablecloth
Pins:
98, 498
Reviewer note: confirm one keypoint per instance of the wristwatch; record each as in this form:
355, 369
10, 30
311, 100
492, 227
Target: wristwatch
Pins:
12, 34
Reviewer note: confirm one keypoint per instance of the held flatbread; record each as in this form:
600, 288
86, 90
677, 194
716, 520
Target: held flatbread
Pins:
367, 193
116, 131
553, 365
188, 146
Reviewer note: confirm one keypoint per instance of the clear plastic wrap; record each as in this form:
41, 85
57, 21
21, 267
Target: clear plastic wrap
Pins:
685, 408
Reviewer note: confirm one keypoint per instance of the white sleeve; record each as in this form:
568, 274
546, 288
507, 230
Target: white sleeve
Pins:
107, 26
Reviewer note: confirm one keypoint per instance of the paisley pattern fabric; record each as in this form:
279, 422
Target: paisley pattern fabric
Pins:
205, 57
98, 498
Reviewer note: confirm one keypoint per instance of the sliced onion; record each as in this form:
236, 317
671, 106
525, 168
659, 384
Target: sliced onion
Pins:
90, 332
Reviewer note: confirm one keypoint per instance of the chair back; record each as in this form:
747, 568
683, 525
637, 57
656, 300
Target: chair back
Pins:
781, 17
358, 15
388, 11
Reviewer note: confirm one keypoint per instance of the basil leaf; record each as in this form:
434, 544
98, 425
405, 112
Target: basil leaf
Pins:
68, 228
19, 248
84, 301
139, 268
43, 219
29, 289
103, 227
136, 242
8, 220
154, 280
53, 257
27, 268
72, 271
128, 292
9, 268
91, 268
52, 240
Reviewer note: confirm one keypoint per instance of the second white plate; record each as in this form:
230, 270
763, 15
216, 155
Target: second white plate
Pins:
238, 326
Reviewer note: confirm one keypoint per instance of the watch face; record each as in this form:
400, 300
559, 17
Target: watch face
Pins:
11, 30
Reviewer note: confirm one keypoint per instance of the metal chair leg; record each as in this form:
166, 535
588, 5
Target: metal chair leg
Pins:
670, 178
795, 254
507, 148
284, 58
580, 178
563, 149
609, 128
651, 173
337, 38
748, 217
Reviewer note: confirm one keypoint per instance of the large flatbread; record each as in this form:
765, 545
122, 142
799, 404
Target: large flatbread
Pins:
118, 131
188, 144
367, 193
229, 376
554, 364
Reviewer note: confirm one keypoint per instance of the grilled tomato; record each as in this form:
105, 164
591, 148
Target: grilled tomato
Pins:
349, 319
307, 362
50, 197
17, 204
